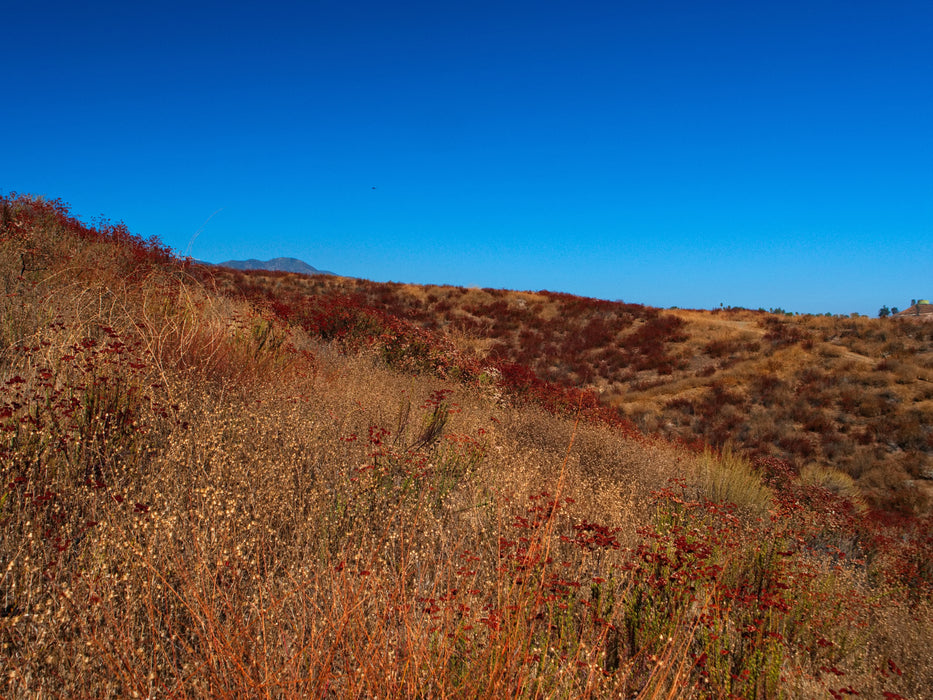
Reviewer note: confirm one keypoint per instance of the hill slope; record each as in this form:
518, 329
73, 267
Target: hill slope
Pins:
847, 400
218, 483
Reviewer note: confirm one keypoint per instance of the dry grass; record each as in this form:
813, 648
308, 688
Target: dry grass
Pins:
832, 480
664, 378
727, 477
201, 500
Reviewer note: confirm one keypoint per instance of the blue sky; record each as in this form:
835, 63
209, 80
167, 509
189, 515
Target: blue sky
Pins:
759, 154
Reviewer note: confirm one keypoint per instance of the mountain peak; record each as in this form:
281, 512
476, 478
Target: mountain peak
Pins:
276, 265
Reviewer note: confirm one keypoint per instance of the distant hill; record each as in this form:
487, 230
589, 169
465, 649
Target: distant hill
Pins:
922, 309
276, 265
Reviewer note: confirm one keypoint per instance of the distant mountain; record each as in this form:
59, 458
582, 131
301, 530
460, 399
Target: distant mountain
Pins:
276, 265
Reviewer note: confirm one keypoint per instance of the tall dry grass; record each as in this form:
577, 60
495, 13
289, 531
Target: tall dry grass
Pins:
201, 501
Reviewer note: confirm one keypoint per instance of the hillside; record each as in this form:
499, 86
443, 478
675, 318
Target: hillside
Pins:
922, 310
219, 483
847, 401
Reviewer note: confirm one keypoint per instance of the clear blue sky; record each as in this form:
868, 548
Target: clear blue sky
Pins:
759, 154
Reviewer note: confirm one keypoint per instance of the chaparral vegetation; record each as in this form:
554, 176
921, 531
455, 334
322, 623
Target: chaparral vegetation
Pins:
217, 483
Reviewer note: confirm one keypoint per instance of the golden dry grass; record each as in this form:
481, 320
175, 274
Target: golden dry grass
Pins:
869, 378
201, 500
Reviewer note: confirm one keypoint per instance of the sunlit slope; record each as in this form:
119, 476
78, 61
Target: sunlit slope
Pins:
851, 395
226, 484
